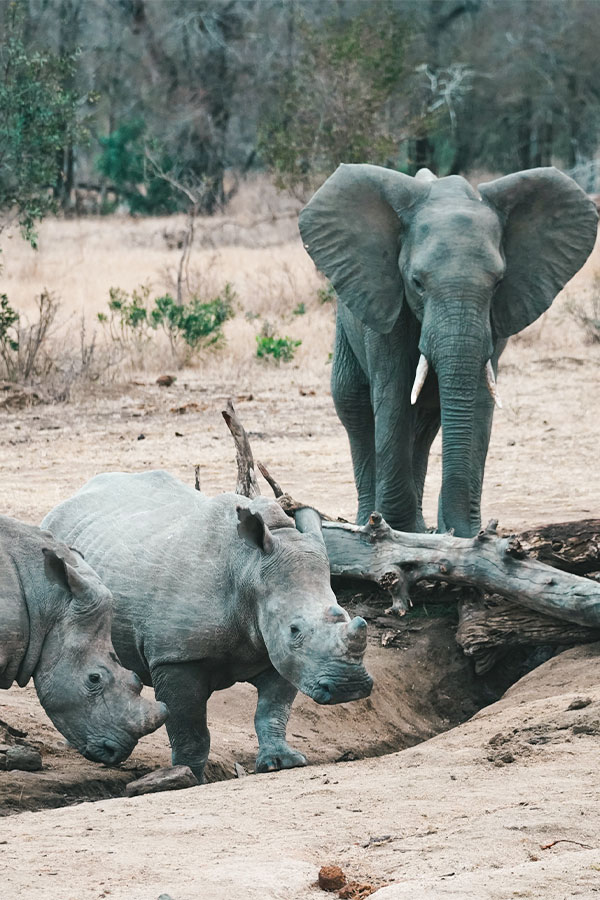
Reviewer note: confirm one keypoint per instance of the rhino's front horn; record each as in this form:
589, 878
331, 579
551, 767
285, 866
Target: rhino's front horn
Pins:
357, 635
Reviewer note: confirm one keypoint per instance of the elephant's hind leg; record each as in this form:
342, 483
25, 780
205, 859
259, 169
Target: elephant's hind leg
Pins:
352, 399
426, 428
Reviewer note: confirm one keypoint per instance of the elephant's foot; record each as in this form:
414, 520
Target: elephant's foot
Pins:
281, 756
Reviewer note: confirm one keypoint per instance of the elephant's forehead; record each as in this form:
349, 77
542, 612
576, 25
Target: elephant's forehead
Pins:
445, 217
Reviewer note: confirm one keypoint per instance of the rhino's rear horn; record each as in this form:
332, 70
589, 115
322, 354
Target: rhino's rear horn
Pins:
357, 635
308, 521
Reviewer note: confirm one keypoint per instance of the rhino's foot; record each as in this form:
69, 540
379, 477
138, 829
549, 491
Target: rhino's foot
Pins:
272, 759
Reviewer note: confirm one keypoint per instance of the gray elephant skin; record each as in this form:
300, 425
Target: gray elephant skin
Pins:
433, 277
55, 622
211, 591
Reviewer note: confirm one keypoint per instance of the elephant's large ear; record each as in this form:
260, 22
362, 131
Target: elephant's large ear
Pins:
351, 228
549, 232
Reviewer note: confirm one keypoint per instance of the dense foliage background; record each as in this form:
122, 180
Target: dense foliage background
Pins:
149, 103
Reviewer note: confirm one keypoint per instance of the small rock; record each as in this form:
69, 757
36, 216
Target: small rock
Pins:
165, 897
331, 878
27, 759
166, 380
239, 770
586, 728
507, 757
141, 437
171, 778
579, 703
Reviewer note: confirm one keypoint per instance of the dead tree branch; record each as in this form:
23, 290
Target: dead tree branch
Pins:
247, 484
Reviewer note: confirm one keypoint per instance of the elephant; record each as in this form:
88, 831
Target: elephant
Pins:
433, 277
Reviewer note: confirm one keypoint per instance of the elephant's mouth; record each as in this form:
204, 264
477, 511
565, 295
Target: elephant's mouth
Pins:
423, 371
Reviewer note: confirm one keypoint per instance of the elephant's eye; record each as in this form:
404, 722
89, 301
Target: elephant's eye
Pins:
418, 284
294, 631
94, 678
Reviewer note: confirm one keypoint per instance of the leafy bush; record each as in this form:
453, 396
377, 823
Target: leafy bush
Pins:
349, 69
23, 350
326, 294
29, 356
281, 349
123, 160
133, 319
37, 119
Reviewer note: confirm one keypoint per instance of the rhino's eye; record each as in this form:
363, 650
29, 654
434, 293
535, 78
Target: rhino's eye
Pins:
94, 678
294, 631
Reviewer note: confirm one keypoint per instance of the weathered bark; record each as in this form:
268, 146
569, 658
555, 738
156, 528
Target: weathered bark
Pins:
246, 481
488, 628
397, 560
570, 546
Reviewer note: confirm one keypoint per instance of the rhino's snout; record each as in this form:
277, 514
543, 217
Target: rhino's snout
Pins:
109, 752
328, 691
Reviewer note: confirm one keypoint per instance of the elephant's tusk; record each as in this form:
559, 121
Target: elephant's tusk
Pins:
491, 384
421, 375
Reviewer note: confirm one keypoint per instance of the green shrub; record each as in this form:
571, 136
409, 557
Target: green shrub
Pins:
299, 310
123, 161
326, 294
280, 348
133, 320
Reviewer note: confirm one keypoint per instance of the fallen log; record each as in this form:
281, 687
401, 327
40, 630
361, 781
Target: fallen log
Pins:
570, 546
489, 627
397, 561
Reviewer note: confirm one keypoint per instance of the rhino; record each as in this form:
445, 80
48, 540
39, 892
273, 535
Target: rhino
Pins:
55, 622
211, 591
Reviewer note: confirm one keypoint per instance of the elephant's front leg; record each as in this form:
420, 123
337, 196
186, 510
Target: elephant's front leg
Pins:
352, 399
184, 688
396, 496
275, 698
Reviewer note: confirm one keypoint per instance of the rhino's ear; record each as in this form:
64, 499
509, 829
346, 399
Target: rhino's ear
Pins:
58, 571
253, 530
352, 229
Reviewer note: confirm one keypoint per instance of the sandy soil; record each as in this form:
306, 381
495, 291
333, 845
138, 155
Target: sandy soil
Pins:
451, 817
503, 806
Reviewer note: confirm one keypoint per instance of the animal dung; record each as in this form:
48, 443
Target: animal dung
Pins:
331, 878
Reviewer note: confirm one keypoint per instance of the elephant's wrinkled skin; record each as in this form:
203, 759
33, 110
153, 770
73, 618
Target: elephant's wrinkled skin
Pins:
55, 621
210, 591
427, 266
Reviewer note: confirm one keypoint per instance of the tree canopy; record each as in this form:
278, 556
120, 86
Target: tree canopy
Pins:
294, 86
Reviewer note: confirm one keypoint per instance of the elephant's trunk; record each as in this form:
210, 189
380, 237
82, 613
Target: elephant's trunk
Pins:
458, 353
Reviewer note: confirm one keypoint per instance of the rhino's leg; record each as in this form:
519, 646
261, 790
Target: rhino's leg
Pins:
184, 688
275, 698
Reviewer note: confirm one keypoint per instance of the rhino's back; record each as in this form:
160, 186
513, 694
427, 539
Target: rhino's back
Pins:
164, 551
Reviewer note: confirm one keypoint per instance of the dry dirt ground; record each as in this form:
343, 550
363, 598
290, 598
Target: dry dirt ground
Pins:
503, 806
452, 817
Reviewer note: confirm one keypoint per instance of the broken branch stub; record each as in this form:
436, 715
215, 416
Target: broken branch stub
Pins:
247, 484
